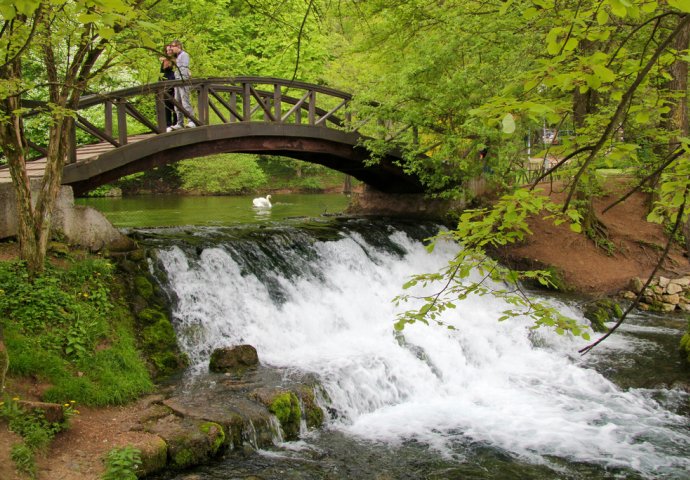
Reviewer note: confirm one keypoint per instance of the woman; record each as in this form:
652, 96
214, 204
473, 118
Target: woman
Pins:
168, 73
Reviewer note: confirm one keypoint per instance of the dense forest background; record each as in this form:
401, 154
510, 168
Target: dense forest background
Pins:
572, 89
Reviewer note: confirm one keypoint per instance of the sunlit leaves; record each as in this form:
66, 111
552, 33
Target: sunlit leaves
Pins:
682, 5
508, 123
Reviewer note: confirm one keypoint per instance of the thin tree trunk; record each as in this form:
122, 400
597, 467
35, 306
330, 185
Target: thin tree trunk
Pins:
678, 116
15, 148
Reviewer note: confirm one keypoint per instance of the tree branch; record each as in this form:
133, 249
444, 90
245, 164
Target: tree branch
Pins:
635, 302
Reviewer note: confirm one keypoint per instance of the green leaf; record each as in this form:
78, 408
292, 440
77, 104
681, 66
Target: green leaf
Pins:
605, 74
618, 8
508, 123
7, 11
642, 116
571, 44
602, 17
682, 5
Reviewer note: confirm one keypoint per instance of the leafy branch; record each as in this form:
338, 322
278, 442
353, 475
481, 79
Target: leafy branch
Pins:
479, 230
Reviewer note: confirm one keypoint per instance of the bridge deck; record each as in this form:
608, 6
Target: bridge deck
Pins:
85, 154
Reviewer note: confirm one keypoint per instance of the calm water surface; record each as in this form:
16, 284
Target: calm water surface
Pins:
174, 210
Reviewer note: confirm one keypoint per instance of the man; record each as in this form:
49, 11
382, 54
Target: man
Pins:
182, 72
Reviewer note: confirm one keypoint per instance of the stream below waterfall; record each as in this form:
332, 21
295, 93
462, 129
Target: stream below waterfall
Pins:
488, 400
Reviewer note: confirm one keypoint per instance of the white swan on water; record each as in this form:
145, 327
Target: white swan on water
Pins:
262, 202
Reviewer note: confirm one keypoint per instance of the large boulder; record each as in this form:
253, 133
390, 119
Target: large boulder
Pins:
79, 225
189, 442
232, 358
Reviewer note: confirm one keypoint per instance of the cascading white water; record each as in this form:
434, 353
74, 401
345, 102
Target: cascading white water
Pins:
484, 382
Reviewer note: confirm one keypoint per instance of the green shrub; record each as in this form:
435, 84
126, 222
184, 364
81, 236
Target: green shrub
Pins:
65, 329
122, 463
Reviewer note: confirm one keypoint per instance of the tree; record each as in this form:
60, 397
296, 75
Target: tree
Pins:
69, 38
604, 66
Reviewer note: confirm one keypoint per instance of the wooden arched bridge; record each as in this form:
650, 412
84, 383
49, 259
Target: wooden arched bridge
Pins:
241, 114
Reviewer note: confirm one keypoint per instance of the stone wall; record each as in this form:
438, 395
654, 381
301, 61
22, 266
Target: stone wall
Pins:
373, 202
662, 294
78, 225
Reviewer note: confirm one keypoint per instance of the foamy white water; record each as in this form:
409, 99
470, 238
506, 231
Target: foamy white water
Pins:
485, 381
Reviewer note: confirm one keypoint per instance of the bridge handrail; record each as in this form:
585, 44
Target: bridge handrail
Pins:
90, 100
248, 96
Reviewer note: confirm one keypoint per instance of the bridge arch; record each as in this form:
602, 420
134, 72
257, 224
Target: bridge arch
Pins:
334, 149
234, 115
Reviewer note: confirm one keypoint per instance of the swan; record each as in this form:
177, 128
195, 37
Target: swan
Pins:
262, 202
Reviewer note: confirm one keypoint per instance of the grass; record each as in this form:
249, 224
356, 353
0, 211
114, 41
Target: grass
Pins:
70, 329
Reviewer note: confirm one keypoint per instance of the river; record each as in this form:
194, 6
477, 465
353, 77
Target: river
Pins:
488, 400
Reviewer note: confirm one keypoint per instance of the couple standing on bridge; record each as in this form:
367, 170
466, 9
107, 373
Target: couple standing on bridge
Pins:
175, 66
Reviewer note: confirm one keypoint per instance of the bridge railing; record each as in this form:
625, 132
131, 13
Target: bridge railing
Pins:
115, 116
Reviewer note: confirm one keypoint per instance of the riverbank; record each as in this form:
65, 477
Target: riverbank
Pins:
633, 245
78, 452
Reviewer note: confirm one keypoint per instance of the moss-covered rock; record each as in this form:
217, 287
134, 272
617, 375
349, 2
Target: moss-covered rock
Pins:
189, 442
160, 333
230, 358
285, 406
154, 456
143, 287
215, 435
59, 249
160, 344
313, 414
601, 311
150, 316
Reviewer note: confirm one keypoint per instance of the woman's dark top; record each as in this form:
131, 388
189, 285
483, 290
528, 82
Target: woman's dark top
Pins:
167, 73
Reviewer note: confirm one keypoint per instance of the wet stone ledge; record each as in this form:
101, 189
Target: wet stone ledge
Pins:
201, 419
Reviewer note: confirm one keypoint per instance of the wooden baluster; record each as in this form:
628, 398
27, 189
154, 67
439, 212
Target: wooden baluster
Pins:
267, 101
233, 104
277, 107
160, 110
121, 121
202, 105
246, 102
298, 116
312, 108
108, 117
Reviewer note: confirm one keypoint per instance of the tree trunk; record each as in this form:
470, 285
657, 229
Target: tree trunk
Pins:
33, 214
678, 116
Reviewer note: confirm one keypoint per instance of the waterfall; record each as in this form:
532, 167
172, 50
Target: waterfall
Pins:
323, 306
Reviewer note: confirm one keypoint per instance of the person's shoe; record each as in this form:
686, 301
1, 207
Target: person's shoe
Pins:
177, 126
191, 124
169, 129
